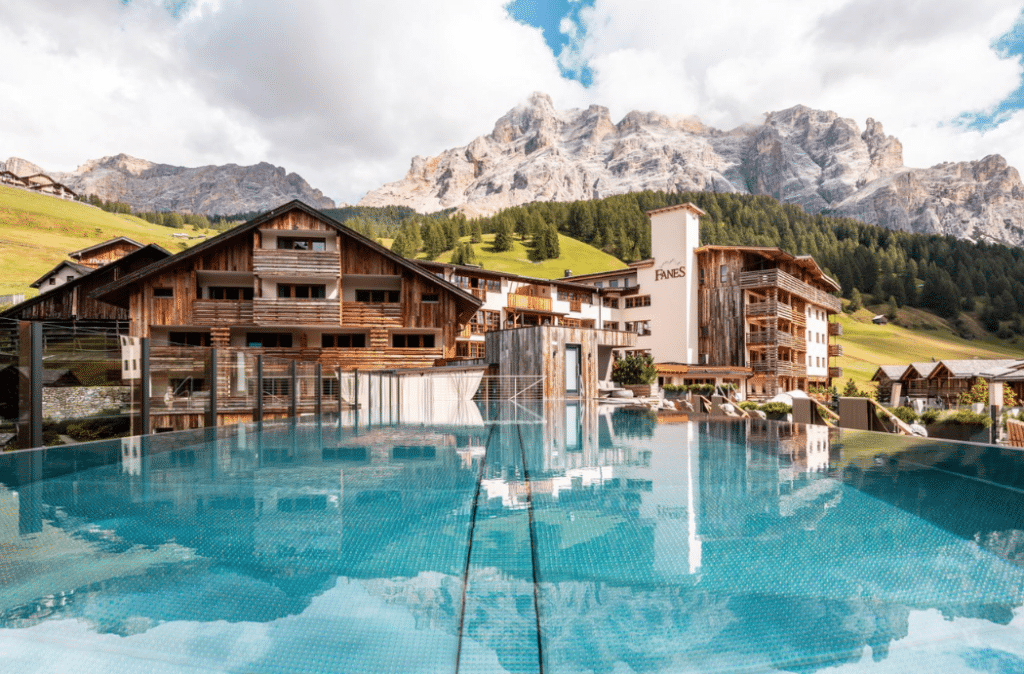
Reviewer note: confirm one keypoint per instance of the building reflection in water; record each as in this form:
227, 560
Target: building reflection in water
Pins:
657, 545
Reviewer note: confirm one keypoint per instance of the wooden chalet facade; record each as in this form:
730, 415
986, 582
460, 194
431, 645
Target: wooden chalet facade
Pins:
106, 252
942, 382
766, 308
296, 284
71, 303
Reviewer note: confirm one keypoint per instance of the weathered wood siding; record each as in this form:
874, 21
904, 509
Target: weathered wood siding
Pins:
720, 309
107, 254
242, 254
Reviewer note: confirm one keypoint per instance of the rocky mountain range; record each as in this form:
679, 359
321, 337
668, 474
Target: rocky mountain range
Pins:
146, 186
817, 159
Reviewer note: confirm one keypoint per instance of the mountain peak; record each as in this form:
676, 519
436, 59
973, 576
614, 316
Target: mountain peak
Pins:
815, 158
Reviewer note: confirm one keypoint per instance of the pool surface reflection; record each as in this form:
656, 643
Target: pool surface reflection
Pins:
562, 538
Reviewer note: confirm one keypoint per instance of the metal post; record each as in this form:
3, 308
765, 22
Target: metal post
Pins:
293, 403
37, 385
212, 414
144, 386
319, 388
337, 374
258, 416
355, 388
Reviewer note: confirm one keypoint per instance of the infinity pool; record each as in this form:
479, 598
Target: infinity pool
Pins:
557, 539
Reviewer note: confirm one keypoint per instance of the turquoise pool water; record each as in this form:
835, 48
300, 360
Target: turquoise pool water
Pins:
561, 539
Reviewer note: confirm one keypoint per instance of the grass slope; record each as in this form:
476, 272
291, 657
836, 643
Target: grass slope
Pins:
38, 231
580, 257
866, 345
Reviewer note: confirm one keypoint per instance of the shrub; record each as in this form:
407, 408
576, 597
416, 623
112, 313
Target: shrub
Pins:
702, 389
747, 405
968, 418
673, 388
905, 414
634, 369
930, 416
776, 409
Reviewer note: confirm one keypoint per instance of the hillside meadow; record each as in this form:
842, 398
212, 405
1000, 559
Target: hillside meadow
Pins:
38, 231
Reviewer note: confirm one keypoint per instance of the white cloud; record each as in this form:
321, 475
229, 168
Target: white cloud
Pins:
346, 94
914, 66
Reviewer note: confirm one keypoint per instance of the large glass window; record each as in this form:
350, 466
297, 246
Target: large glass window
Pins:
378, 296
412, 340
269, 339
229, 293
301, 291
301, 243
189, 338
350, 340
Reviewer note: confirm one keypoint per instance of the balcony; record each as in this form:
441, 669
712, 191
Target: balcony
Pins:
372, 314
296, 262
479, 293
835, 330
781, 368
276, 311
776, 278
529, 302
222, 312
775, 309
835, 372
835, 350
776, 338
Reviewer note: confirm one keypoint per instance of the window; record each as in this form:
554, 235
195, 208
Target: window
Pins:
640, 301
53, 281
701, 277
723, 274
599, 284
269, 339
229, 293
493, 285
70, 278
430, 298
470, 349
163, 292
613, 284
705, 331
329, 386
378, 296
189, 338
301, 243
277, 386
611, 325
349, 340
412, 340
301, 291
610, 302
413, 452
345, 453
484, 321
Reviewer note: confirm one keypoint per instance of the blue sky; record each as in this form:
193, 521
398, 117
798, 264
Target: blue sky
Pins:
346, 94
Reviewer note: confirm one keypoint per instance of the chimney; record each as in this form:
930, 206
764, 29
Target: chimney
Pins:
568, 273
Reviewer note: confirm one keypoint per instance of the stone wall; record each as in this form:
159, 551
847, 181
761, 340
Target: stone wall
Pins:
76, 402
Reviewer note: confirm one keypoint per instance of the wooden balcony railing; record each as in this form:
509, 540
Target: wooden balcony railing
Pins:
276, 311
479, 293
222, 312
835, 372
296, 262
776, 338
528, 302
835, 350
372, 315
575, 305
781, 368
776, 278
835, 329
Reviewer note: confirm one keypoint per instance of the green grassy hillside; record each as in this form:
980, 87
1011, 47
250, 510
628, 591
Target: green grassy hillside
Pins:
580, 257
38, 231
866, 345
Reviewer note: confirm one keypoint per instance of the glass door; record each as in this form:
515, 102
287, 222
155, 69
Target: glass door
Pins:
572, 369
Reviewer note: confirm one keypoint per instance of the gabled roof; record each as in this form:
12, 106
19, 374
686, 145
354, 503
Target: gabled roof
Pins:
966, 369
919, 370
778, 255
80, 268
109, 242
891, 372
117, 293
67, 287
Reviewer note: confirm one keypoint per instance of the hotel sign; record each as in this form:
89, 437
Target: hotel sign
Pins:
676, 272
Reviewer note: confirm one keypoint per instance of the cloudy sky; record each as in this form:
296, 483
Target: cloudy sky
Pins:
345, 94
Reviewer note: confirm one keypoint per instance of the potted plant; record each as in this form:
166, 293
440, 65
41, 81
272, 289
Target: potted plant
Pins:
635, 372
